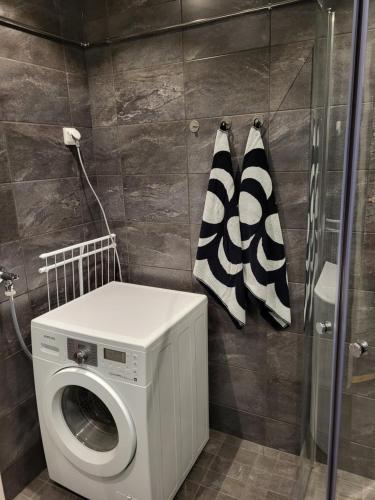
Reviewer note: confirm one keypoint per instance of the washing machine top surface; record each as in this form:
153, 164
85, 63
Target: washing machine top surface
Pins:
122, 312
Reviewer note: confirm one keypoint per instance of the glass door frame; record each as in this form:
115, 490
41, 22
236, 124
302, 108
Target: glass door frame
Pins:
348, 196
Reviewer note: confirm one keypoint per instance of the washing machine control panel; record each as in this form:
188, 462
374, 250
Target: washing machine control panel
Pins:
82, 352
123, 364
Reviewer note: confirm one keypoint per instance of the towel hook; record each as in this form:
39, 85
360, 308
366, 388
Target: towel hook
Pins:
257, 124
225, 126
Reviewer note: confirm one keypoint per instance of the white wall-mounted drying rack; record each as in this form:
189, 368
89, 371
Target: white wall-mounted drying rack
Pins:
69, 272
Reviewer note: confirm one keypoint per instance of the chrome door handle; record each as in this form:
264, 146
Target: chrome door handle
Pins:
323, 327
358, 349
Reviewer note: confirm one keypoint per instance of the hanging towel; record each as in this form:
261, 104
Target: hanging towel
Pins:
219, 256
264, 262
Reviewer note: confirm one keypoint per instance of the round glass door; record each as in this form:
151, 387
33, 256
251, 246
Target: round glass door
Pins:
89, 419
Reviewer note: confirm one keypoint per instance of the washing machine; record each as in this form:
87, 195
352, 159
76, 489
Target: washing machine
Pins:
121, 382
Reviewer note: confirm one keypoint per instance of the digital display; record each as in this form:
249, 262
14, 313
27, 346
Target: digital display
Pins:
112, 355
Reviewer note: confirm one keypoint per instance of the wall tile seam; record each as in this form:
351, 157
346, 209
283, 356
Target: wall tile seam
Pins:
61, 71
22, 402
354, 395
259, 372
258, 416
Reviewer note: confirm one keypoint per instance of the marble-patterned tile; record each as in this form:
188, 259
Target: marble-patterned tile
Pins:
153, 148
9, 230
290, 76
32, 93
285, 355
95, 30
291, 193
283, 436
106, 151
4, 164
187, 491
230, 468
217, 38
195, 9
9, 343
238, 388
71, 25
160, 277
295, 241
17, 381
47, 205
240, 423
297, 304
147, 17
293, 23
159, 245
19, 432
197, 194
156, 198
111, 194
75, 59
357, 459
31, 49
99, 61
36, 152
370, 204
153, 94
284, 400
33, 247
157, 50
209, 93
224, 484
41, 14
364, 254
50, 491
11, 257
118, 5
289, 140
102, 101
362, 315
23, 470
95, 9
79, 100
89, 206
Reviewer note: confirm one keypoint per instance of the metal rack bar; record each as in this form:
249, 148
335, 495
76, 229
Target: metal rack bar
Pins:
10, 23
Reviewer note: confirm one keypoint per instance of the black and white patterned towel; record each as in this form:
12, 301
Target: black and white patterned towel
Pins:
264, 262
219, 256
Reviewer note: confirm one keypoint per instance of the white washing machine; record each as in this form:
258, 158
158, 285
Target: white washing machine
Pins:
122, 390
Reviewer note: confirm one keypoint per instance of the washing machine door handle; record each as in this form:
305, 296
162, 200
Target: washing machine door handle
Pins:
89, 422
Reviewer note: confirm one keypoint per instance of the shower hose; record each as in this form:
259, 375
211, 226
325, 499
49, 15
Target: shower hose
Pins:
11, 294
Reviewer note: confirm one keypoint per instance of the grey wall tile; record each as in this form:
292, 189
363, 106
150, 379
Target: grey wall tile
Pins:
9, 231
290, 76
239, 423
153, 148
11, 257
285, 355
237, 388
96, 29
150, 95
224, 85
195, 9
111, 194
357, 459
197, 194
20, 432
47, 205
106, 151
217, 39
41, 14
370, 203
102, 101
98, 61
9, 343
118, 5
295, 241
17, 381
138, 19
75, 60
292, 198
32, 94
33, 247
37, 152
4, 166
297, 301
284, 401
293, 23
289, 140
89, 206
362, 315
283, 436
31, 49
79, 100
174, 279
159, 245
366, 261
145, 52
156, 198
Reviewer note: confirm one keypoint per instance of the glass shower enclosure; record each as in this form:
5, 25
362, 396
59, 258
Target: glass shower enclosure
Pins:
338, 445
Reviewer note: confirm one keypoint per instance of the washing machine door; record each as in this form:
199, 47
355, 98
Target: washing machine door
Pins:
89, 422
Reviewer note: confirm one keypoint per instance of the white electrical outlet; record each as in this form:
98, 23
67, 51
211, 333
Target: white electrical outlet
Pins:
71, 136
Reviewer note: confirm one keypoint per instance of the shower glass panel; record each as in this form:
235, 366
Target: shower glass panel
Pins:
330, 100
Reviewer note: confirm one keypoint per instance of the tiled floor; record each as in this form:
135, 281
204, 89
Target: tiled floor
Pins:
230, 468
